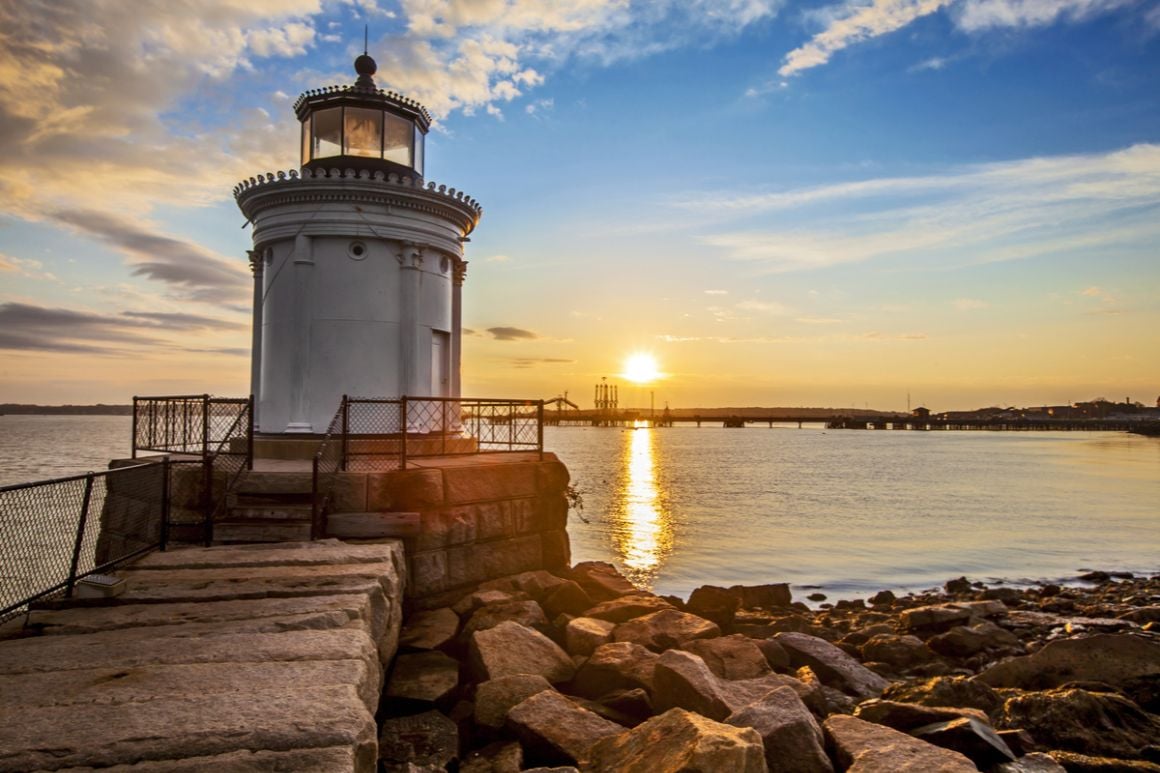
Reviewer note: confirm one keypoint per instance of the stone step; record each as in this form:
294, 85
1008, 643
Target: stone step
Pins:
247, 513
372, 525
275, 483
227, 532
248, 499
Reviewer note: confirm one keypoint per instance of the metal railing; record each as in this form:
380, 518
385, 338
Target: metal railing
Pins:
188, 424
56, 532
381, 434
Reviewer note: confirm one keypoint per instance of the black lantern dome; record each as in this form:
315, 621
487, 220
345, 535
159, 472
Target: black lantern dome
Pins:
362, 126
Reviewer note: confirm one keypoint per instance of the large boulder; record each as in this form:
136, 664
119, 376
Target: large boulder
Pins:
679, 741
430, 630
566, 599
496, 697
666, 629
481, 598
1077, 720
527, 613
601, 581
731, 657
956, 691
714, 603
864, 747
510, 648
616, 666
627, 607
962, 641
974, 738
907, 716
682, 680
536, 583
556, 730
897, 651
768, 596
793, 741
582, 635
1114, 659
427, 677
934, 618
428, 740
833, 665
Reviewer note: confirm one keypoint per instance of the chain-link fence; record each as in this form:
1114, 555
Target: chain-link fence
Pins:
54, 533
189, 424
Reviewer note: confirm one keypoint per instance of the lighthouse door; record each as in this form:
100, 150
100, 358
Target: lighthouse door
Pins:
440, 363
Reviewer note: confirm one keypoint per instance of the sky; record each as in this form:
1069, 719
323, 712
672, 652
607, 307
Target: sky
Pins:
868, 203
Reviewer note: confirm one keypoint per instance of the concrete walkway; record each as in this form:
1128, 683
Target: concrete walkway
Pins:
254, 658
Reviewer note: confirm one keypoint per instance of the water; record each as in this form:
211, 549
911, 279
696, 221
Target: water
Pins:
849, 512
853, 512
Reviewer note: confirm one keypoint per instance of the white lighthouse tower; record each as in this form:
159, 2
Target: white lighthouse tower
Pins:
358, 262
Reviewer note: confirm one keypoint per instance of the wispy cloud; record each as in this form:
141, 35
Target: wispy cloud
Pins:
511, 334
981, 213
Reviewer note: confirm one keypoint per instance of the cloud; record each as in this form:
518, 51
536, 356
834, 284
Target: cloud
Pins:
183, 321
531, 362
25, 267
970, 304
497, 259
1098, 293
511, 334
716, 292
856, 21
980, 213
762, 307
853, 23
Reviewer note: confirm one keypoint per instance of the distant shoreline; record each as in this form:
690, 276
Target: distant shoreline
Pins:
100, 409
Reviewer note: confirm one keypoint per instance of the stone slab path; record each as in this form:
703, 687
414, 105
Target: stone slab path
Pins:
238, 658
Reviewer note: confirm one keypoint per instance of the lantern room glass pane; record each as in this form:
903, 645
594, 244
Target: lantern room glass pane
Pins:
419, 141
306, 140
399, 136
363, 135
327, 133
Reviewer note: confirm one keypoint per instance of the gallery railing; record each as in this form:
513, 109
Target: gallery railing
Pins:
54, 533
381, 434
190, 424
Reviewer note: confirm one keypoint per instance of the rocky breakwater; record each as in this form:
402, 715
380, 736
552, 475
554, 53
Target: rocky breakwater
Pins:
578, 669
263, 657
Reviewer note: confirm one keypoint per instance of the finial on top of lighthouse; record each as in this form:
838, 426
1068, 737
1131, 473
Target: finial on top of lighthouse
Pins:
365, 66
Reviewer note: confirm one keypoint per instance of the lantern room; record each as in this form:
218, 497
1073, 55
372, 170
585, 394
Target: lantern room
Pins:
362, 127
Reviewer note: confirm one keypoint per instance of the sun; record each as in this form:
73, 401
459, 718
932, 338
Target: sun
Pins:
641, 368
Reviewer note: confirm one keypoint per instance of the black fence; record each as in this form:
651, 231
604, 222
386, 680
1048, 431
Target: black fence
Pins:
381, 434
190, 424
54, 533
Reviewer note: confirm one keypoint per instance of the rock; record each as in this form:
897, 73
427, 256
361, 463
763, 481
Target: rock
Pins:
775, 654
863, 747
625, 707
898, 651
1031, 763
957, 586
1083, 763
955, 691
816, 597
973, 738
481, 598
832, 665
1006, 595
496, 697
1096, 577
934, 618
678, 741
682, 680
663, 630
963, 641
555, 729
628, 607
566, 599
537, 583
714, 603
430, 677
905, 717
882, 598
424, 740
1144, 690
601, 581
498, 757
731, 657
510, 648
1111, 658
430, 630
1077, 720
527, 613
616, 666
793, 741
584, 634
763, 596
1142, 615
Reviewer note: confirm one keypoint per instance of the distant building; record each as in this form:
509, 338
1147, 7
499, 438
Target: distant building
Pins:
921, 413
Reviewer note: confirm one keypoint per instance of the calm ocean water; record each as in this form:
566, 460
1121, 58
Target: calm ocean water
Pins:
849, 512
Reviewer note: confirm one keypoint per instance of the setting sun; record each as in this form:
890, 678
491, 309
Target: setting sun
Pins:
641, 368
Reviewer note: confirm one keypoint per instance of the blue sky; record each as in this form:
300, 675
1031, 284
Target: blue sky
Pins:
787, 203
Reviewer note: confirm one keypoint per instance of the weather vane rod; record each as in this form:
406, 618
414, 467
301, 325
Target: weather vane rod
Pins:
366, 35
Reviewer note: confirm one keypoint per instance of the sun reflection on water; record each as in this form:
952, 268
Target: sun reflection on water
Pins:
643, 530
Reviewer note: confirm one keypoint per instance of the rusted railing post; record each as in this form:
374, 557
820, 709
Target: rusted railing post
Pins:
134, 443
76, 556
250, 434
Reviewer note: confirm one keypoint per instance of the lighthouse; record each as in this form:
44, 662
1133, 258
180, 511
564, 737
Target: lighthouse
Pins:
358, 262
